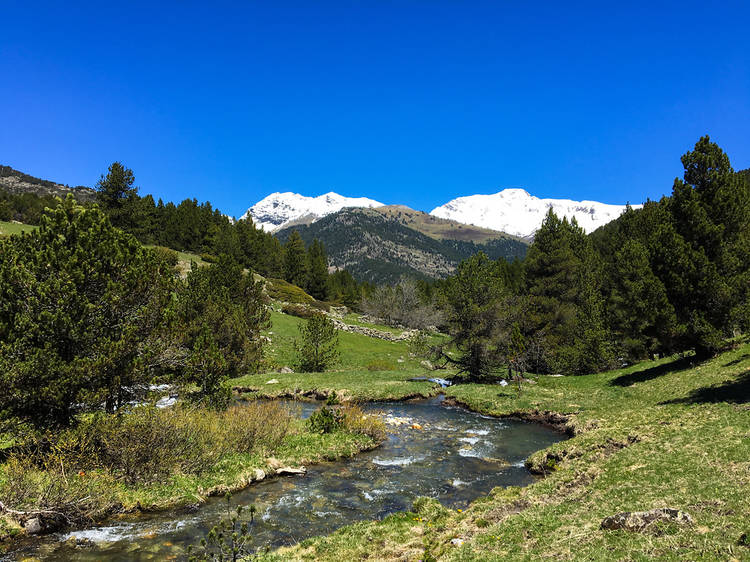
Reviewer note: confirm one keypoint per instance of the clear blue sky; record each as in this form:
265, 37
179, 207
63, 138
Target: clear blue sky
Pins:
413, 102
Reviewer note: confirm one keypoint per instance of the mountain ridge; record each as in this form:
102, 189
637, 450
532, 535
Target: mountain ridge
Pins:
515, 211
378, 247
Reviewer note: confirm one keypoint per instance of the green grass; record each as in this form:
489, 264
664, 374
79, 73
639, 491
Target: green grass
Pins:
350, 377
184, 262
9, 228
659, 434
232, 472
356, 320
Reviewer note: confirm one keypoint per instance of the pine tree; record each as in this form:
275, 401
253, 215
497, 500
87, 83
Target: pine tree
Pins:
216, 323
79, 299
295, 260
318, 348
562, 275
710, 209
641, 316
317, 279
472, 300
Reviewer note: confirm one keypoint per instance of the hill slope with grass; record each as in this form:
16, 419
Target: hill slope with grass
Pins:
665, 434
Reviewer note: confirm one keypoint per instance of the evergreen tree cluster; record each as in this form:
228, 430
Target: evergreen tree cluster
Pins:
198, 227
671, 277
89, 317
307, 267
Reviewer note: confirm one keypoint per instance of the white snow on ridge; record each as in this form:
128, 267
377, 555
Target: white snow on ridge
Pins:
279, 209
517, 212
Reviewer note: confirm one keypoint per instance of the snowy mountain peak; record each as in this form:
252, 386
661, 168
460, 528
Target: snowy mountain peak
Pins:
517, 212
282, 209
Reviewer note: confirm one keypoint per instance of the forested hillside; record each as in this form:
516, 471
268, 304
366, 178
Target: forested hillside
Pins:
380, 248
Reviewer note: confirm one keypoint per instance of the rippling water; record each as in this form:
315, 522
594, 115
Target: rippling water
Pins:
455, 457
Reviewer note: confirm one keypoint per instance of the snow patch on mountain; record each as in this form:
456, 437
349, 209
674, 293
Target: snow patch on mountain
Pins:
279, 210
517, 212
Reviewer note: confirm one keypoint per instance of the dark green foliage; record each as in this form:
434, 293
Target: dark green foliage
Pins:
711, 212
118, 196
345, 289
325, 420
317, 277
214, 329
472, 302
679, 267
296, 266
25, 207
79, 300
299, 311
318, 348
562, 281
640, 314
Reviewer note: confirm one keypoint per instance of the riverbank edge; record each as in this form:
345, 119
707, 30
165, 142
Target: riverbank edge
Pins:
12, 531
321, 394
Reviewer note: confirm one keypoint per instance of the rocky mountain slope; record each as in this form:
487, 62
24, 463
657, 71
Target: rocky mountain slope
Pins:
16, 183
381, 246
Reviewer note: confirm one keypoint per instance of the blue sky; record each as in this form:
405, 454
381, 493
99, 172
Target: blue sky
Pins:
412, 102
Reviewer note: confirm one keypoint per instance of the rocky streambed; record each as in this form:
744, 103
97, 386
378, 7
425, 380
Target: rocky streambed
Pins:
434, 450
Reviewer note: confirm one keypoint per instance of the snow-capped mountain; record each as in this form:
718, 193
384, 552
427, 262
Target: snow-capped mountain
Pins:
283, 209
517, 212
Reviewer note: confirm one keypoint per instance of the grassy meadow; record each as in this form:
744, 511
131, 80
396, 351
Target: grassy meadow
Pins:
9, 228
668, 433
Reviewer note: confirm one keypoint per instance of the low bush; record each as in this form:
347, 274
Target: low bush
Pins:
167, 255
348, 417
355, 420
209, 258
149, 444
280, 290
325, 420
299, 311
321, 305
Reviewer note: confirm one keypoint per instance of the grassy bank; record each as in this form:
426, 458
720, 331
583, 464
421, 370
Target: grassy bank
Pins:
669, 433
369, 368
154, 460
9, 228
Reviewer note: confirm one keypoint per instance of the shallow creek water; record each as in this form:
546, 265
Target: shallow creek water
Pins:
455, 457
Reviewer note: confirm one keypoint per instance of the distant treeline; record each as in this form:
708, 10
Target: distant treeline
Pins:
671, 277
199, 228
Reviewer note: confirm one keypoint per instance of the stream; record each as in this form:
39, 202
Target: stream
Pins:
455, 457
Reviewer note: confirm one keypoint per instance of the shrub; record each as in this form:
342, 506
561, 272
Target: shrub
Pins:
356, 420
149, 444
167, 255
321, 305
280, 290
298, 310
209, 258
325, 420
66, 497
